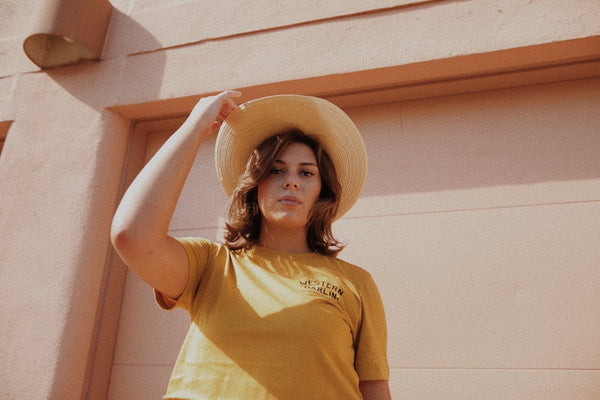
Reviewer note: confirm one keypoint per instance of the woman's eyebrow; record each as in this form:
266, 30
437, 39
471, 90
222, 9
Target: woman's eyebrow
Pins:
306, 163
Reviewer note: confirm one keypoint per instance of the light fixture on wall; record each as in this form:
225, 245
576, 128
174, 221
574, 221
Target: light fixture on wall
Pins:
68, 32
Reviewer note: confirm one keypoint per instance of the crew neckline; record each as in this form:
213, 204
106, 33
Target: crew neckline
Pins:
256, 249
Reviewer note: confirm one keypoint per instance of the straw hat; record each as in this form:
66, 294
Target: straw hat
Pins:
252, 122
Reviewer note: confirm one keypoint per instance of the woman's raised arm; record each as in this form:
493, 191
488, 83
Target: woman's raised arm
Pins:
140, 226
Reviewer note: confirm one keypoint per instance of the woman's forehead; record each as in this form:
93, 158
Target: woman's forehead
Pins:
297, 152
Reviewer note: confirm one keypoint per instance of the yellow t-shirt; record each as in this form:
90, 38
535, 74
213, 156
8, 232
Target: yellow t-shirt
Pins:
267, 324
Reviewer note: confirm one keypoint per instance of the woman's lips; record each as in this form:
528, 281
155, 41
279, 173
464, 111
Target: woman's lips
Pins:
290, 200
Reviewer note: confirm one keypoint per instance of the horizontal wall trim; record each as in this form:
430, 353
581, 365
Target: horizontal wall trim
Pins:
4, 127
525, 66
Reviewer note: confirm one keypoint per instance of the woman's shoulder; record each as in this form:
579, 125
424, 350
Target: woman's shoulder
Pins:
348, 267
196, 244
196, 241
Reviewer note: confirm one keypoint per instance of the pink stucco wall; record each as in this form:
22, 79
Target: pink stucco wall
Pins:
479, 219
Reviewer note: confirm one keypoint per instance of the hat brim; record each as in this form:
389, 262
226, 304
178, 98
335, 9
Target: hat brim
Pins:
253, 122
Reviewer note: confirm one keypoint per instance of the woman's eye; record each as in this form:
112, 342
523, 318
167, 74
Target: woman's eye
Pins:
307, 173
276, 171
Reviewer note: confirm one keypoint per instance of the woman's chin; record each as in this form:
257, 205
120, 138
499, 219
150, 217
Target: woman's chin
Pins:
286, 220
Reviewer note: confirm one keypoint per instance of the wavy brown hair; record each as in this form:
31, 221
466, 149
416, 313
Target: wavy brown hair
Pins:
243, 229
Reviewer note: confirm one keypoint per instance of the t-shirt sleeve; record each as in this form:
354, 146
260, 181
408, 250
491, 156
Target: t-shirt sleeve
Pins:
199, 252
371, 361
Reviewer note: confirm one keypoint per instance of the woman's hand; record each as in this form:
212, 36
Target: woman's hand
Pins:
210, 112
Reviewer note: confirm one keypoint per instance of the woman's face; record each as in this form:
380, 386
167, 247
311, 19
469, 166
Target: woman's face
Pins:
292, 186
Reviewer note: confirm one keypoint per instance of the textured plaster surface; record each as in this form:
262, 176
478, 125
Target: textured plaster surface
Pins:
479, 223
492, 198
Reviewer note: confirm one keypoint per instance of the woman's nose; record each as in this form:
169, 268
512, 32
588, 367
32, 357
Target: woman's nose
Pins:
290, 182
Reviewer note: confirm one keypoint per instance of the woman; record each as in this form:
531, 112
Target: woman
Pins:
274, 314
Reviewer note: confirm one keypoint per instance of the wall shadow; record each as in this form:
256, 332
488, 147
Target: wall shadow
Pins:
97, 85
509, 137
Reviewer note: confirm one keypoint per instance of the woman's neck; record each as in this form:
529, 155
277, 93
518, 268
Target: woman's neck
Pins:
290, 240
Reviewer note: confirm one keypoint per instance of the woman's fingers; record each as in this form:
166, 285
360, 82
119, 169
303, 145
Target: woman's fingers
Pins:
211, 109
227, 108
